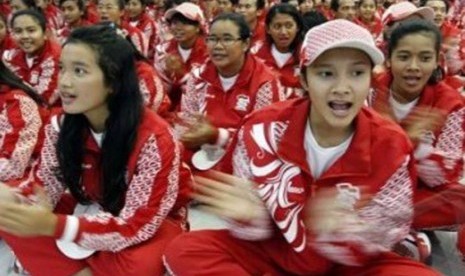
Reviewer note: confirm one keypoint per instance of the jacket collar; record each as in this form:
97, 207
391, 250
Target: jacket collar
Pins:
355, 161
210, 74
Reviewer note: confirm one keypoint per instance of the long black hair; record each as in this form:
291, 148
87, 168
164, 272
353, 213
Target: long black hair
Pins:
116, 60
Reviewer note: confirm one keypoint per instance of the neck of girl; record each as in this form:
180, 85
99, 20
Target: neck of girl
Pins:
403, 97
97, 119
328, 136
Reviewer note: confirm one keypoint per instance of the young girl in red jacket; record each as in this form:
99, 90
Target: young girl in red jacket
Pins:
281, 51
74, 15
113, 11
316, 191
137, 16
174, 59
35, 60
120, 163
368, 18
432, 114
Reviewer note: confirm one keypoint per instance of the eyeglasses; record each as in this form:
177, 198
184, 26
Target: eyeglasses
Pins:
225, 41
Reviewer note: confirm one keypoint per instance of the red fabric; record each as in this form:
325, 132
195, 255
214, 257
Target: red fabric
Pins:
258, 36
449, 30
255, 87
173, 82
91, 12
288, 74
152, 89
63, 33
142, 259
375, 27
215, 252
158, 186
43, 75
448, 141
137, 37
7, 44
20, 125
54, 17
148, 26
441, 206
439, 209
5, 9
271, 143
327, 12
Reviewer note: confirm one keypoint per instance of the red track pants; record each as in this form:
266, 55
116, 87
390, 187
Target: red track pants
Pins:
216, 252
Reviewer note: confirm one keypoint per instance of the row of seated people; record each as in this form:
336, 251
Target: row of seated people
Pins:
409, 90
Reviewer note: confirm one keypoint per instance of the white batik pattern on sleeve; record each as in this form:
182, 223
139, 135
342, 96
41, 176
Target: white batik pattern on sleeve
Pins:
386, 221
138, 195
15, 166
390, 211
48, 70
264, 96
449, 146
48, 165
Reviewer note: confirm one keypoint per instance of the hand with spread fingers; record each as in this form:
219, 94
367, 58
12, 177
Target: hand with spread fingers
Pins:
28, 220
228, 196
200, 132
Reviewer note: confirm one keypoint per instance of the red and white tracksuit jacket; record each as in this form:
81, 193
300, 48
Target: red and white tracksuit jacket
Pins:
148, 26
54, 16
258, 36
91, 13
152, 89
43, 74
439, 199
20, 124
269, 151
288, 74
7, 44
255, 87
375, 27
63, 33
137, 37
157, 188
196, 59
440, 161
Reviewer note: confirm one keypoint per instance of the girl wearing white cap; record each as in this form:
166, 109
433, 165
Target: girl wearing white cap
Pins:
323, 186
186, 51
